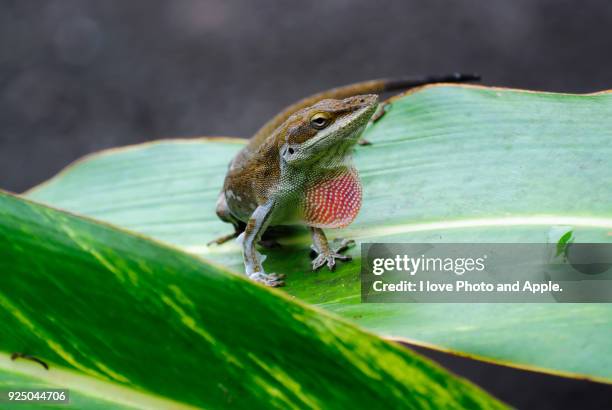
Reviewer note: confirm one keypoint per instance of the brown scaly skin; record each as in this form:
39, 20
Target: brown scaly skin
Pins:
366, 87
267, 181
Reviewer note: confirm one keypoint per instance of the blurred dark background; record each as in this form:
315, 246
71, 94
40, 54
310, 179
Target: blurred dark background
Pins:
77, 76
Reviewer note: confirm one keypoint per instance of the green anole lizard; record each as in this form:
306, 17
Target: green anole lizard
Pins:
297, 169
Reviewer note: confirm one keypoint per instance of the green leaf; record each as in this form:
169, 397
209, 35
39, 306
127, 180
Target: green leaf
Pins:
448, 164
564, 241
123, 321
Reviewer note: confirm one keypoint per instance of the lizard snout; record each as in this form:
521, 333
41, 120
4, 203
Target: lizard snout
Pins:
361, 101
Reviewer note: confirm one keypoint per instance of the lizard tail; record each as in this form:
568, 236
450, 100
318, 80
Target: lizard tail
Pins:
404, 83
382, 85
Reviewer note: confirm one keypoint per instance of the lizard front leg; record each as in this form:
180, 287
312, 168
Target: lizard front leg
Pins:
255, 227
325, 253
381, 110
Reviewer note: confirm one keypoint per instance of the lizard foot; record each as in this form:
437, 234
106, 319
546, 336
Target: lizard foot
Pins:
381, 110
222, 239
269, 279
329, 258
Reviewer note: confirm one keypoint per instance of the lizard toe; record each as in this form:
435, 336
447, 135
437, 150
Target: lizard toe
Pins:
272, 279
318, 262
329, 260
342, 245
341, 257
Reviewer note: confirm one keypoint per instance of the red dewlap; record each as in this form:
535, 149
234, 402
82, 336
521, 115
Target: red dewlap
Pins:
333, 202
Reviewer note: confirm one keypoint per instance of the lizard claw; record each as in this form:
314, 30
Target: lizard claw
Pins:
270, 279
329, 258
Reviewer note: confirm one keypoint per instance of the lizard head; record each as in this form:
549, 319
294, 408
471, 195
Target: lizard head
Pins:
325, 131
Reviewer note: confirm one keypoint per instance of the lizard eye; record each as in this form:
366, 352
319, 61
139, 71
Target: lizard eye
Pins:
320, 120
291, 150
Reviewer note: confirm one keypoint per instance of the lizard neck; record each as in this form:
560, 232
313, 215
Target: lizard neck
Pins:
332, 198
